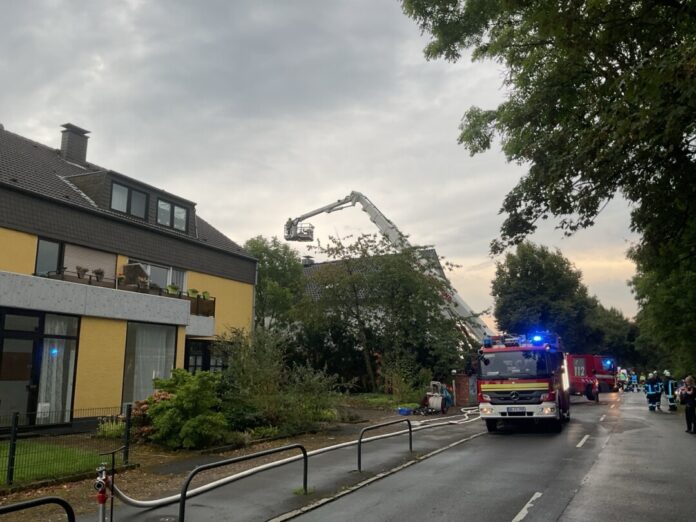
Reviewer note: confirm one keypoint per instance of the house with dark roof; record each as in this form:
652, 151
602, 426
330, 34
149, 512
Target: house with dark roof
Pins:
106, 282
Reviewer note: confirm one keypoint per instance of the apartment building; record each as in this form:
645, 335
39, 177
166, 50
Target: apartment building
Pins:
105, 282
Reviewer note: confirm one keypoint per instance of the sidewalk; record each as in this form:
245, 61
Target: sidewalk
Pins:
274, 492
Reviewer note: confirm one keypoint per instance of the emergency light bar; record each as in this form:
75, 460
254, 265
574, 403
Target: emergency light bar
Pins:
535, 339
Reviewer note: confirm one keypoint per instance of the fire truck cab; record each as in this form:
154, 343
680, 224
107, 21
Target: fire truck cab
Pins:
523, 379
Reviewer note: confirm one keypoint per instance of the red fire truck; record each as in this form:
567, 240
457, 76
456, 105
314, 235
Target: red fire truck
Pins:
523, 379
591, 374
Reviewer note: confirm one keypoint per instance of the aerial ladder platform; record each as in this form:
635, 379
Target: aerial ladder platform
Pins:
297, 230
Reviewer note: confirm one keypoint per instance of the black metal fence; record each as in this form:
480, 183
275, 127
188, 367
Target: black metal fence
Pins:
43, 446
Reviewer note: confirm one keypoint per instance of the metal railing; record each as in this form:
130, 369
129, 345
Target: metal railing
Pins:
67, 445
213, 465
29, 504
369, 428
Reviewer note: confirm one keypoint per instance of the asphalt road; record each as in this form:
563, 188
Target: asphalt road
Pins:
613, 461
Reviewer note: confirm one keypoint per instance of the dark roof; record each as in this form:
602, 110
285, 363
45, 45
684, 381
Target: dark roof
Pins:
36, 168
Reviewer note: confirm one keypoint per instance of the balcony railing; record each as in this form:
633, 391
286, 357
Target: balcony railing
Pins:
82, 277
201, 304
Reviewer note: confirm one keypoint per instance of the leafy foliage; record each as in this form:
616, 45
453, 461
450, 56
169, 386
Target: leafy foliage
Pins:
260, 389
536, 289
189, 418
601, 101
279, 280
372, 302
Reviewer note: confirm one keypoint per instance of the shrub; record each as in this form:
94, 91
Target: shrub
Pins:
189, 418
111, 427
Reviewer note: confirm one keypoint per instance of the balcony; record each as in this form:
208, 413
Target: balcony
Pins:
136, 280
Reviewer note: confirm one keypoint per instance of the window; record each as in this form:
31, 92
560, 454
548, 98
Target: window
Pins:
128, 201
150, 352
204, 356
48, 257
164, 213
37, 365
162, 276
171, 215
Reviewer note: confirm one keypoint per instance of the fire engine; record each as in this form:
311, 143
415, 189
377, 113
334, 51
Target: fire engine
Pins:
523, 379
591, 374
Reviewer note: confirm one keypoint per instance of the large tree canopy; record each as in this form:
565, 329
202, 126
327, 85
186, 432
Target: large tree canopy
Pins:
389, 306
537, 289
601, 100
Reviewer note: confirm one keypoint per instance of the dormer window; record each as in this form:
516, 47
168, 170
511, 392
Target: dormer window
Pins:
171, 215
129, 201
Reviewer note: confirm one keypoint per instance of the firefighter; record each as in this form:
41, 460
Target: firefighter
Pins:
669, 385
652, 391
634, 381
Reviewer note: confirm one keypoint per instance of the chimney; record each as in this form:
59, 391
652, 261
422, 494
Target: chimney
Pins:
73, 145
307, 261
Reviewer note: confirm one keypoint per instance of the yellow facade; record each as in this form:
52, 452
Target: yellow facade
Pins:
100, 360
234, 301
17, 251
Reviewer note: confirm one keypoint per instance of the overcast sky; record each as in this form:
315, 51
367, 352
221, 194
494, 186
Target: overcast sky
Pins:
263, 110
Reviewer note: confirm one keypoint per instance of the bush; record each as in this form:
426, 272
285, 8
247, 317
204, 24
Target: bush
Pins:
190, 417
111, 427
259, 389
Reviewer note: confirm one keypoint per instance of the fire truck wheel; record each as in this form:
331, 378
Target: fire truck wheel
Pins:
491, 425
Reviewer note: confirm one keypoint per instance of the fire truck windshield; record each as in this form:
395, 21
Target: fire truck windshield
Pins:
522, 363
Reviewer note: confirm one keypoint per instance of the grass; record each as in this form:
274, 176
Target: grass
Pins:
39, 461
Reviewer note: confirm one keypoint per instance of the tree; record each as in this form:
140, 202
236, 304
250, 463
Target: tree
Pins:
601, 101
383, 304
278, 282
536, 289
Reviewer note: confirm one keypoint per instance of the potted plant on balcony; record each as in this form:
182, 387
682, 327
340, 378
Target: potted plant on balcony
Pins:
98, 273
81, 271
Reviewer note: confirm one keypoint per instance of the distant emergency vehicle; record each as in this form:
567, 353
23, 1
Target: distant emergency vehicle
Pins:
591, 374
523, 379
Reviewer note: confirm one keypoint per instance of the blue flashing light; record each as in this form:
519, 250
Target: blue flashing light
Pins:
54, 352
537, 338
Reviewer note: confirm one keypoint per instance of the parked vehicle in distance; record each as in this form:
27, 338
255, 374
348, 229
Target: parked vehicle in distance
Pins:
590, 375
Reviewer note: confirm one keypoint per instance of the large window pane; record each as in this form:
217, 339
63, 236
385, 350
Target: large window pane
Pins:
178, 278
15, 376
138, 204
21, 323
179, 218
159, 275
61, 325
149, 355
164, 213
119, 197
47, 257
56, 381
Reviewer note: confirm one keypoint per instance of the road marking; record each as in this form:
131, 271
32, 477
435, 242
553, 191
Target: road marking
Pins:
602, 418
582, 441
612, 405
525, 510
